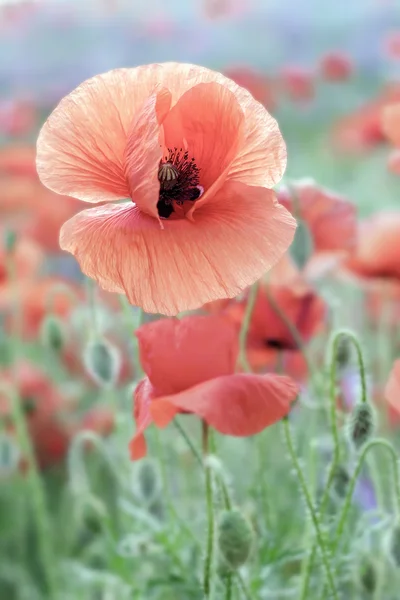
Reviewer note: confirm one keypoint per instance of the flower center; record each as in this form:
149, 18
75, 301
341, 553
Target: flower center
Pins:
179, 181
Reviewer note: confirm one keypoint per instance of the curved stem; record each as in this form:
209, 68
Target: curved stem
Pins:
361, 367
208, 574
312, 511
189, 442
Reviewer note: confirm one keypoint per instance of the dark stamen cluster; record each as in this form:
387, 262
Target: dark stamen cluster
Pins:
179, 181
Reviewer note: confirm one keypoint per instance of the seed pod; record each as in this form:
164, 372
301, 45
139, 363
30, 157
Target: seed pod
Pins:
149, 480
340, 482
53, 333
235, 538
362, 424
394, 545
367, 576
103, 362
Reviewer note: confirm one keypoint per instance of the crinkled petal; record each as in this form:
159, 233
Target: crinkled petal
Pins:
176, 353
143, 152
207, 121
228, 247
80, 149
238, 405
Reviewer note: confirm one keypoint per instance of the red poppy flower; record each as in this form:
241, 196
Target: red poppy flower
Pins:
51, 419
270, 340
378, 249
197, 154
259, 85
186, 373
392, 44
330, 218
363, 129
27, 257
391, 128
298, 83
336, 66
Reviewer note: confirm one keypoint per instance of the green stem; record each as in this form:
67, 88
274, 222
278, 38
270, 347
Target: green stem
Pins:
37, 492
208, 574
352, 485
353, 338
312, 511
243, 587
332, 363
189, 442
228, 587
251, 300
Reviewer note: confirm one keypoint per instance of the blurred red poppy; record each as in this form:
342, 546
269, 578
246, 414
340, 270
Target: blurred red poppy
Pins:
336, 66
330, 218
378, 247
298, 83
25, 260
186, 373
363, 129
392, 391
391, 128
261, 87
284, 298
52, 419
18, 160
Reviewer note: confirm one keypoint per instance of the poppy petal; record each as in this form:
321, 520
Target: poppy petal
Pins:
143, 152
238, 405
394, 162
176, 353
80, 149
392, 390
207, 121
142, 398
391, 123
186, 264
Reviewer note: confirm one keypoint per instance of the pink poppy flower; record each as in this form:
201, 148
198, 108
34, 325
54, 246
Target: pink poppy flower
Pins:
197, 155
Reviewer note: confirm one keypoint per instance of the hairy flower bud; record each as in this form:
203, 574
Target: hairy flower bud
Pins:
102, 361
367, 576
362, 424
52, 333
340, 482
149, 480
235, 538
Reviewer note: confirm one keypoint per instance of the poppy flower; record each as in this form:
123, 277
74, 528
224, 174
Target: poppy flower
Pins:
50, 416
391, 128
40, 297
18, 160
259, 85
298, 83
186, 373
330, 218
214, 9
27, 257
392, 45
336, 66
362, 129
378, 248
270, 339
392, 392
197, 155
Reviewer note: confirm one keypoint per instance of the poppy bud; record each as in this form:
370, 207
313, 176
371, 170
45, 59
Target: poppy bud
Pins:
235, 538
302, 246
362, 424
367, 576
340, 482
10, 239
52, 333
103, 362
149, 480
393, 546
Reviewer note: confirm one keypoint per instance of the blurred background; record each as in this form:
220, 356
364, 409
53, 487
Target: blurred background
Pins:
325, 70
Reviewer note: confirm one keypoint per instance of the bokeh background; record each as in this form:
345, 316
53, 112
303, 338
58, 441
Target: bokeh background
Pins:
325, 70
